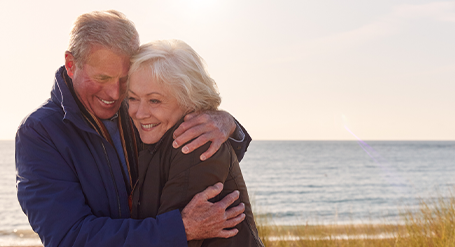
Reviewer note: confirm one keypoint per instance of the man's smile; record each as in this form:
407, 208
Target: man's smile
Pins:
107, 102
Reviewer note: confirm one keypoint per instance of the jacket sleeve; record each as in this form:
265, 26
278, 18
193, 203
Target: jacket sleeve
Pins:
241, 142
51, 196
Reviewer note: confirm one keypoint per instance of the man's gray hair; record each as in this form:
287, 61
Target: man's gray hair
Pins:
110, 29
176, 66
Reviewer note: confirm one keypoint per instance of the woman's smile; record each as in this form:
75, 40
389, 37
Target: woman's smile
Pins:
148, 127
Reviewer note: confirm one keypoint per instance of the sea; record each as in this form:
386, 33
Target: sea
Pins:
305, 182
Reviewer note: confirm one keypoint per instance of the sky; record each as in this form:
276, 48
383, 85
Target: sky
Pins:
286, 70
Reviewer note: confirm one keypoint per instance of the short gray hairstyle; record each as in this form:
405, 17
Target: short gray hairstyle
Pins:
110, 29
175, 65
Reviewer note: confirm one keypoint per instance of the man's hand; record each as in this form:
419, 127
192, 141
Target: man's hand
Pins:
203, 219
214, 126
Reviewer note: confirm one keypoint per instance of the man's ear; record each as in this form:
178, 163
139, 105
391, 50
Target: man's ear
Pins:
70, 64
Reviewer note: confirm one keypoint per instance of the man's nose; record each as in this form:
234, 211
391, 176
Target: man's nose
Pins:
112, 89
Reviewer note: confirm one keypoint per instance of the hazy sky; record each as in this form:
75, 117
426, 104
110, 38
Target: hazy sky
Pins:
287, 70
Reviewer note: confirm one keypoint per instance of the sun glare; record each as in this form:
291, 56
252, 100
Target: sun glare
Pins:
200, 4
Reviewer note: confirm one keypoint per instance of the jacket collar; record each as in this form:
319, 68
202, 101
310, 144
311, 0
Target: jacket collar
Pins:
61, 95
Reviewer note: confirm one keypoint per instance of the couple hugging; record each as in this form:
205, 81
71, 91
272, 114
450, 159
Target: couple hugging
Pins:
130, 150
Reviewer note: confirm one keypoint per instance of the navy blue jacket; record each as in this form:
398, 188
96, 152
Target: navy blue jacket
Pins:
70, 184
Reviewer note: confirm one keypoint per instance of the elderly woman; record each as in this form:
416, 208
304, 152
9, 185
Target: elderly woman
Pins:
168, 80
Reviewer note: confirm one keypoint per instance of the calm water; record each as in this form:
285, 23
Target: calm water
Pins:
339, 182
307, 181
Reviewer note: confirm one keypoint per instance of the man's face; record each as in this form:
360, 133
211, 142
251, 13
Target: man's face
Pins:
100, 84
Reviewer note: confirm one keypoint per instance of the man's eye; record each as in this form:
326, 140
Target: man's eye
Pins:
102, 78
123, 80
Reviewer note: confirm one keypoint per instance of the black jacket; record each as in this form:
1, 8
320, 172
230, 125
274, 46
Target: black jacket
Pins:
168, 180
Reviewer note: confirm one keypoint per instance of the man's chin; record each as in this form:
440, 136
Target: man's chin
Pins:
105, 114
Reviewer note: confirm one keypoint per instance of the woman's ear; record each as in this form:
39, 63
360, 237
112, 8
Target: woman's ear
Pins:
70, 64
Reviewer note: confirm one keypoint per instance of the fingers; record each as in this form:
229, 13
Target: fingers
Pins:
191, 130
196, 143
211, 126
210, 192
211, 151
235, 221
230, 224
228, 233
203, 219
229, 199
191, 120
190, 116
235, 211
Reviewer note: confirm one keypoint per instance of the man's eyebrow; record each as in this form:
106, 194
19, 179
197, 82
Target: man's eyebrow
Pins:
103, 77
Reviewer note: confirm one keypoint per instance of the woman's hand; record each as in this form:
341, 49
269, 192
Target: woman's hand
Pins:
214, 126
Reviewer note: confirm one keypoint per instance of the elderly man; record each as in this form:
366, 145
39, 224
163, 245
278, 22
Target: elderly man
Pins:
76, 156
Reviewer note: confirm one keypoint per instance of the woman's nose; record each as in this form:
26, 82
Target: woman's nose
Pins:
143, 111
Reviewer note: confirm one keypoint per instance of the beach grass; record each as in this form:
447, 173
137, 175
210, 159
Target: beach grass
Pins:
432, 224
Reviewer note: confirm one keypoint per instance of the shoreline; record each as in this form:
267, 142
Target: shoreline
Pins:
270, 233
336, 230
19, 237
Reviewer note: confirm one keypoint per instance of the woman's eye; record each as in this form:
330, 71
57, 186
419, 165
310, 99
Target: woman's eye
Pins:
131, 98
155, 101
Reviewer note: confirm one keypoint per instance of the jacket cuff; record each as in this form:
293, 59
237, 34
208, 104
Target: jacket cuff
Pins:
238, 135
240, 147
171, 225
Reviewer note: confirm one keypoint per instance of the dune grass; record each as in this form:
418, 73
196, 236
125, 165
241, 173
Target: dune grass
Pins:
433, 224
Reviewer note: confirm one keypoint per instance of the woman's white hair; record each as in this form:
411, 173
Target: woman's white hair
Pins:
110, 29
175, 65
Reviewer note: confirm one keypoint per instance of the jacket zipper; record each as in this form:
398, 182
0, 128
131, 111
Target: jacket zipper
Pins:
113, 179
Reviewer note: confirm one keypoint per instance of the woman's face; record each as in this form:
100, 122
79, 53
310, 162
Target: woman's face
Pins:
151, 107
